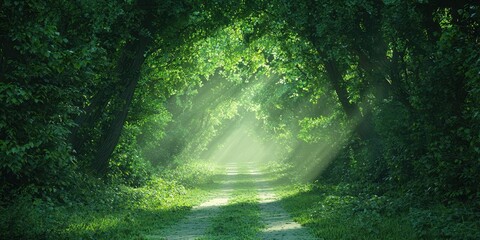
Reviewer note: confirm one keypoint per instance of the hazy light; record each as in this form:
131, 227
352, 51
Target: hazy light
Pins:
242, 145
232, 129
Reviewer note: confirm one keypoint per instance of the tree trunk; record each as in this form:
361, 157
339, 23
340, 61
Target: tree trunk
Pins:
335, 77
86, 121
128, 68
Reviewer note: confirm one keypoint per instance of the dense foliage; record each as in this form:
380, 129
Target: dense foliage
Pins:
383, 96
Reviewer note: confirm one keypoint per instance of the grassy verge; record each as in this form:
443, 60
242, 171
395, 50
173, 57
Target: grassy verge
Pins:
332, 214
344, 211
240, 219
104, 212
154, 208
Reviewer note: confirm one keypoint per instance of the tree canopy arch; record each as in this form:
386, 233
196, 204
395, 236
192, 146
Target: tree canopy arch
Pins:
384, 93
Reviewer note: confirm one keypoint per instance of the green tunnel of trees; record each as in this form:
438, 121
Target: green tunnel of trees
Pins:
387, 91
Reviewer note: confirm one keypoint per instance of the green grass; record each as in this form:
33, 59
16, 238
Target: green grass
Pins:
132, 222
105, 212
329, 211
333, 214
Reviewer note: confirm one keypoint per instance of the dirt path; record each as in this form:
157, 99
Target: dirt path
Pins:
278, 223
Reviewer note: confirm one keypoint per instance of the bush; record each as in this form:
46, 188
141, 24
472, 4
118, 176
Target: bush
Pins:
30, 218
456, 222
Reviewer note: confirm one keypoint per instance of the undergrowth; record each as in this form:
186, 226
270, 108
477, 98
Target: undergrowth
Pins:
338, 212
104, 211
191, 173
345, 211
332, 214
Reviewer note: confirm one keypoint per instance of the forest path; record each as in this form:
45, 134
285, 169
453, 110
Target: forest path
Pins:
204, 219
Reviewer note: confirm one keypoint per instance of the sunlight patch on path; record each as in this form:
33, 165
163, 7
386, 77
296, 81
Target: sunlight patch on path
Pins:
278, 223
197, 222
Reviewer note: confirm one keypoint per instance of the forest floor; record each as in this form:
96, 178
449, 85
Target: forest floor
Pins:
234, 201
242, 205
